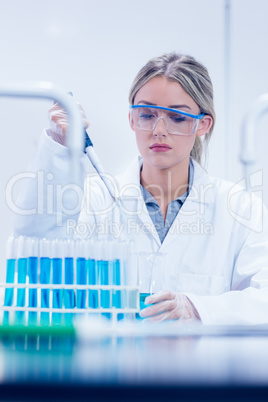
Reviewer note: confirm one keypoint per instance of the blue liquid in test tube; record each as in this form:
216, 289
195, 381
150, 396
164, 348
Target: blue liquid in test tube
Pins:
117, 294
103, 274
45, 268
9, 293
146, 270
45, 275
30, 250
81, 272
92, 293
69, 297
32, 273
69, 294
22, 273
57, 293
142, 300
10, 274
116, 281
81, 278
57, 251
93, 298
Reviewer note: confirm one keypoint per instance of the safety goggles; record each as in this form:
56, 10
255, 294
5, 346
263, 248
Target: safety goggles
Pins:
176, 122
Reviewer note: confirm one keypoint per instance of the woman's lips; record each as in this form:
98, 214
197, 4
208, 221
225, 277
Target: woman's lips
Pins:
160, 147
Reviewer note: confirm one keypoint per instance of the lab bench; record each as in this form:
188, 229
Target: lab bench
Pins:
204, 364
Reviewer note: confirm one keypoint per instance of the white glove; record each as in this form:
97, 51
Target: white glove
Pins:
168, 305
59, 122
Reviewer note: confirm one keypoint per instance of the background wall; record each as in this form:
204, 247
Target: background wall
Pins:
95, 48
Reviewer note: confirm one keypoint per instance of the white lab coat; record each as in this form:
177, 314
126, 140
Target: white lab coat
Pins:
216, 251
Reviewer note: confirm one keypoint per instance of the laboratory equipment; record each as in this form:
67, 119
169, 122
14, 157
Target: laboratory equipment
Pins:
57, 259
177, 122
103, 274
81, 272
69, 295
248, 135
32, 257
151, 275
45, 275
96, 163
93, 299
10, 275
94, 159
116, 276
58, 280
47, 90
21, 259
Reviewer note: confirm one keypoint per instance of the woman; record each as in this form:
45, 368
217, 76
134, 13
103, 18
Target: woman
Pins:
216, 258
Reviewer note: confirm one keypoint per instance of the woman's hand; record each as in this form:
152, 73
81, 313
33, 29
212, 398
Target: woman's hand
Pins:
59, 122
169, 306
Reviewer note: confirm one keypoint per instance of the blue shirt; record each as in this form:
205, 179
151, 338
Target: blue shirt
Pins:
173, 208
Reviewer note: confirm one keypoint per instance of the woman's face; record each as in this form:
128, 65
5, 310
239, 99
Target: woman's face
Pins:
162, 92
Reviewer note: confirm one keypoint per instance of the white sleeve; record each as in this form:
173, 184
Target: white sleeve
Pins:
247, 301
48, 204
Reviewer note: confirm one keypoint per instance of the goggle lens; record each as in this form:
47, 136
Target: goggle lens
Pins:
176, 122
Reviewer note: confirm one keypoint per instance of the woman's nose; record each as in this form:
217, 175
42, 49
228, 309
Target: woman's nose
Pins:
160, 128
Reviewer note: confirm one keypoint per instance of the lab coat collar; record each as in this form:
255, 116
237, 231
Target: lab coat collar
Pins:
202, 191
132, 199
129, 183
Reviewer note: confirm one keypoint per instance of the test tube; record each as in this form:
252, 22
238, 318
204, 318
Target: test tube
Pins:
10, 274
69, 295
130, 270
129, 297
57, 257
32, 246
92, 276
45, 275
81, 271
22, 274
115, 268
103, 274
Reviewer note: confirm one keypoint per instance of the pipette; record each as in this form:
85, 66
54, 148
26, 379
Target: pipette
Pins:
92, 156
94, 159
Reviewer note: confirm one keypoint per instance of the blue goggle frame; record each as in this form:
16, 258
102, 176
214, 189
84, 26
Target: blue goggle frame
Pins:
195, 116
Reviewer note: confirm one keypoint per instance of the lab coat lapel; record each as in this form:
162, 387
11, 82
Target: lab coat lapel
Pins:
195, 214
132, 199
196, 206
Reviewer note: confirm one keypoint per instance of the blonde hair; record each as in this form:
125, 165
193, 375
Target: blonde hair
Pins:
192, 76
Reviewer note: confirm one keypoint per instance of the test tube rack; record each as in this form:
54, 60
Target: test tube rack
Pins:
52, 282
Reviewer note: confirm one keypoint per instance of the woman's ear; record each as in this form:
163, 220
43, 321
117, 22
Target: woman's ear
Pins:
204, 125
130, 121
